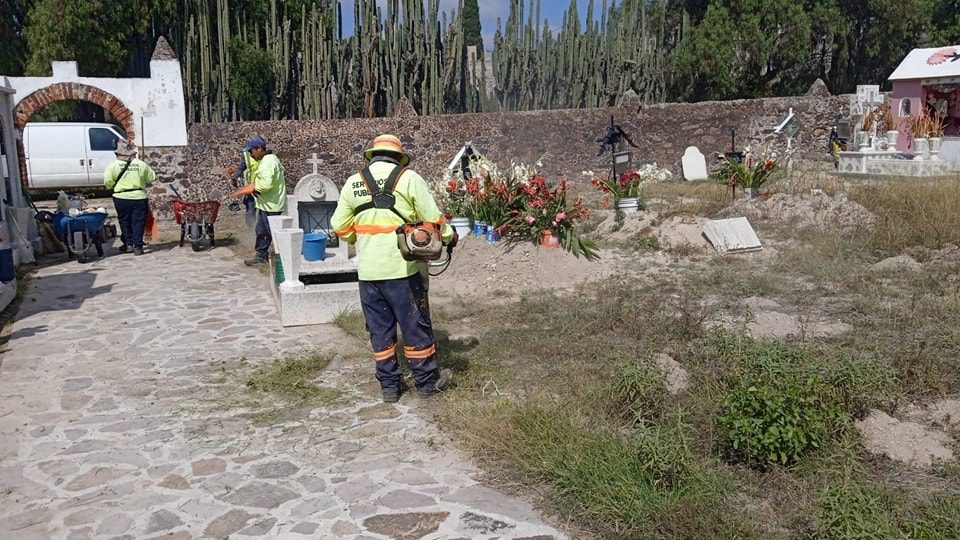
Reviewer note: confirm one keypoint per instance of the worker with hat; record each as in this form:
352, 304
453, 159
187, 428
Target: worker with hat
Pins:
243, 173
392, 291
269, 195
127, 178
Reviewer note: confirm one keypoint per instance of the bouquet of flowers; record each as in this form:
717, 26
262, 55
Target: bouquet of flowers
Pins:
631, 184
753, 173
454, 200
546, 214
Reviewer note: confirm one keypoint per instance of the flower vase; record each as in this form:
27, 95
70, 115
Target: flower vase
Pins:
864, 141
462, 226
892, 137
919, 149
751, 193
934, 145
628, 205
548, 240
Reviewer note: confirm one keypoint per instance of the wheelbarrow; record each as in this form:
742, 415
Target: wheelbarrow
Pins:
79, 232
196, 220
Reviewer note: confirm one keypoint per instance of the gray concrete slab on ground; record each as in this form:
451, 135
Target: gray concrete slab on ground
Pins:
112, 426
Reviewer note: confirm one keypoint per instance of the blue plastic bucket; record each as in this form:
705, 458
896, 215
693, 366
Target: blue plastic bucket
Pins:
315, 246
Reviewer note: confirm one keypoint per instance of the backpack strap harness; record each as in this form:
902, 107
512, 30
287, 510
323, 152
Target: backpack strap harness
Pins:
383, 199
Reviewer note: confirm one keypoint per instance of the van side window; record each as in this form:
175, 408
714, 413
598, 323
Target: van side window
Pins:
103, 139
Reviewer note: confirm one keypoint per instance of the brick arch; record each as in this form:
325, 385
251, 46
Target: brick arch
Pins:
64, 91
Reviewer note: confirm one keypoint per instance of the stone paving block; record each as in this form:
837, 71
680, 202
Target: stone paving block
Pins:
405, 526
209, 466
227, 524
174, 481
411, 477
306, 528
260, 528
261, 495
96, 476
115, 524
163, 520
275, 469
482, 524
401, 498
356, 489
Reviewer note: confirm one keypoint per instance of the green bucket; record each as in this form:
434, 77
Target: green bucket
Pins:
277, 269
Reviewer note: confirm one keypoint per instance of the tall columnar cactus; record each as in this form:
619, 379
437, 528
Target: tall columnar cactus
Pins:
411, 50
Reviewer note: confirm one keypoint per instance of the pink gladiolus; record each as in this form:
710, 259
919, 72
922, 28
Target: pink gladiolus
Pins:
554, 223
560, 216
529, 220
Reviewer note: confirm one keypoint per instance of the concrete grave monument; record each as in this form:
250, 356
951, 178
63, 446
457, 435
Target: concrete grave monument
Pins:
311, 292
694, 164
734, 235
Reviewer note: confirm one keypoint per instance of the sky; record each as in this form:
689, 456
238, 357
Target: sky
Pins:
490, 10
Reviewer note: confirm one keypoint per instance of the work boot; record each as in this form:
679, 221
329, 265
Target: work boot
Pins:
255, 261
391, 396
138, 251
443, 382
123, 248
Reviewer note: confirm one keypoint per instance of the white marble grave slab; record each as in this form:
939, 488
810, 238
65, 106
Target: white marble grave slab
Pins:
734, 235
694, 164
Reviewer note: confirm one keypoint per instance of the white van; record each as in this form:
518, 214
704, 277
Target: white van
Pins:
68, 154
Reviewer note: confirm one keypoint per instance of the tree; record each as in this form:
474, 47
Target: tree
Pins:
472, 32
706, 62
97, 34
251, 79
946, 22
14, 12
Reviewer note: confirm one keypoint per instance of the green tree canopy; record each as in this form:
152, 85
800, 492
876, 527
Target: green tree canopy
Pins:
473, 34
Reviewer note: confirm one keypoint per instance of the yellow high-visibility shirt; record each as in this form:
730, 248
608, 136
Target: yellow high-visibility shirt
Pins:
374, 230
270, 185
133, 185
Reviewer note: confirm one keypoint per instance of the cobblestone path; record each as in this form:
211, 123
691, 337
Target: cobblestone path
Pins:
121, 418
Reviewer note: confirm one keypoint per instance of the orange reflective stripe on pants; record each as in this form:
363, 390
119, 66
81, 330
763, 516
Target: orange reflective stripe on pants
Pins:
419, 354
385, 354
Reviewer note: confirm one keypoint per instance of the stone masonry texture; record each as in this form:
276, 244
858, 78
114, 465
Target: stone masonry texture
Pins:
564, 139
123, 416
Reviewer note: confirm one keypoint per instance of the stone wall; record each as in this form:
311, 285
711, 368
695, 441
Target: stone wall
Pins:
564, 139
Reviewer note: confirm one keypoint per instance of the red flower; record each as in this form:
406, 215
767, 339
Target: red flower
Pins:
452, 186
768, 164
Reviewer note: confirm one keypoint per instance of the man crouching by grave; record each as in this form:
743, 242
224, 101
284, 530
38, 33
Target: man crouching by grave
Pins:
269, 195
127, 178
373, 203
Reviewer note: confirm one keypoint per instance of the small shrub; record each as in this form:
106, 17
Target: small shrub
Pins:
638, 390
776, 422
642, 242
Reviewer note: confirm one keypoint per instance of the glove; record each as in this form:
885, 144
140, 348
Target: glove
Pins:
453, 241
231, 170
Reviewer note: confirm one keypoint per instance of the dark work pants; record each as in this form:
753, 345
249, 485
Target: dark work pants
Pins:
132, 215
400, 301
250, 211
263, 233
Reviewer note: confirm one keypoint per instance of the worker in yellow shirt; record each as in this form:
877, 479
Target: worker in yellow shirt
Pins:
269, 196
128, 177
392, 290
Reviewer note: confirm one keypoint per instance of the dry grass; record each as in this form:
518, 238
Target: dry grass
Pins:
566, 386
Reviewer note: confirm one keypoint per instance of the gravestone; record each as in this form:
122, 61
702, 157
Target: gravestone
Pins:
694, 164
734, 235
311, 292
312, 205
